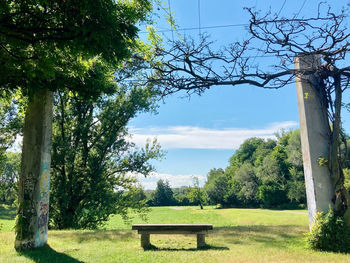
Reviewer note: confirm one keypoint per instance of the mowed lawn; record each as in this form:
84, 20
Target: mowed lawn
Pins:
239, 235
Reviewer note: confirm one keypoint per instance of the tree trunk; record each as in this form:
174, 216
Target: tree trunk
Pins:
34, 181
341, 195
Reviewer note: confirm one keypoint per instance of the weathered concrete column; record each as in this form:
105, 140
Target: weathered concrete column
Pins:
315, 137
34, 182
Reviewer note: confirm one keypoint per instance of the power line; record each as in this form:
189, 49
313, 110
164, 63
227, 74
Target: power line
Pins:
301, 8
204, 27
199, 15
279, 12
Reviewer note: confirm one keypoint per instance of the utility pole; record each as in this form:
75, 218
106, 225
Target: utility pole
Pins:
315, 136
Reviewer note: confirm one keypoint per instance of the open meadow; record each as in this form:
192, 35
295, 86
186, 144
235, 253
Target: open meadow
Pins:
239, 235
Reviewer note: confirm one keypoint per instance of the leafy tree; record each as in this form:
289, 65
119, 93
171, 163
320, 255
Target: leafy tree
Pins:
9, 173
49, 44
271, 175
296, 186
293, 149
37, 37
196, 194
248, 184
246, 151
274, 174
11, 122
217, 187
181, 195
271, 195
92, 156
163, 195
296, 183
263, 150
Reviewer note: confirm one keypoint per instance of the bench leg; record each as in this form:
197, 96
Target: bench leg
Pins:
200, 240
145, 240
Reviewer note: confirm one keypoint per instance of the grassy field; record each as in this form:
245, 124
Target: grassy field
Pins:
239, 235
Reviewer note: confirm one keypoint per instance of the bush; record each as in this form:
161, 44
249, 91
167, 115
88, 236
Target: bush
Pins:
329, 233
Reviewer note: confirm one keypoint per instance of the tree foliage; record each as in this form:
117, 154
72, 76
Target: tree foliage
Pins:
9, 173
196, 194
329, 233
92, 156
163, 195
11, 123
216, 187
39, 39
260, 173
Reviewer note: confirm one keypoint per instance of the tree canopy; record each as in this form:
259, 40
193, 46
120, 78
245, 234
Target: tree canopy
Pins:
261, 173
39, 39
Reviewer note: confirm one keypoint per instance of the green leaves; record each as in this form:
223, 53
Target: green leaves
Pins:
265, 173
93, 157
329, 233
40, 40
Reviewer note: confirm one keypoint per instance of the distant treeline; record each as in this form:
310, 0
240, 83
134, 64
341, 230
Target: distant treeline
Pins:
264, 173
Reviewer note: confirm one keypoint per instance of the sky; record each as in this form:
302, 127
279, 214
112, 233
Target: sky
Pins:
202, 132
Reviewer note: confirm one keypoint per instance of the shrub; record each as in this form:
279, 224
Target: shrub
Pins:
329, 233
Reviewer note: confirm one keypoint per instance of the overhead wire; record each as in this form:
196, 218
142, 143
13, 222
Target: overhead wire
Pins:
202, 27
301, 8
217, 26
279, 12
199, 16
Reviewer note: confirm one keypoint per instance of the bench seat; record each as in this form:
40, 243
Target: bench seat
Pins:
201, 230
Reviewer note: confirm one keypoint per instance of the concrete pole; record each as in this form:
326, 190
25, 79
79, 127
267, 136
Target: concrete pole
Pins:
34, 182
315, 137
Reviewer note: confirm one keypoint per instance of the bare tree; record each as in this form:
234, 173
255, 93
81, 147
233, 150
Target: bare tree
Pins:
195, 67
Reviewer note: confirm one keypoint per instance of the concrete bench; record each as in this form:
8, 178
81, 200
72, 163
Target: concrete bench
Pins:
201, 230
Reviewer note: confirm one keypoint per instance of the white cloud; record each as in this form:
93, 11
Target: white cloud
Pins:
150, 182
190, 137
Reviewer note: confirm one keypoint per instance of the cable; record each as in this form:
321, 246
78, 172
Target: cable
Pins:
196, 28
301, 8
279, 12
199, 16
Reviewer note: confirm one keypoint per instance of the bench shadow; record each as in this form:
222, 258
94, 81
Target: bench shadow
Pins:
207, 247
47, 254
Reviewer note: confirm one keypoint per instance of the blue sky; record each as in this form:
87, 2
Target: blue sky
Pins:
200, 133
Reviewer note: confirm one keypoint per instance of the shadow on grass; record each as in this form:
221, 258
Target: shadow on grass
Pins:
94, 235
7, 212
207, 247
280, 236
47, 254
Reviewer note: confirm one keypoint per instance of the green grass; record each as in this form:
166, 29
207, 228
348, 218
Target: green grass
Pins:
239, 235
